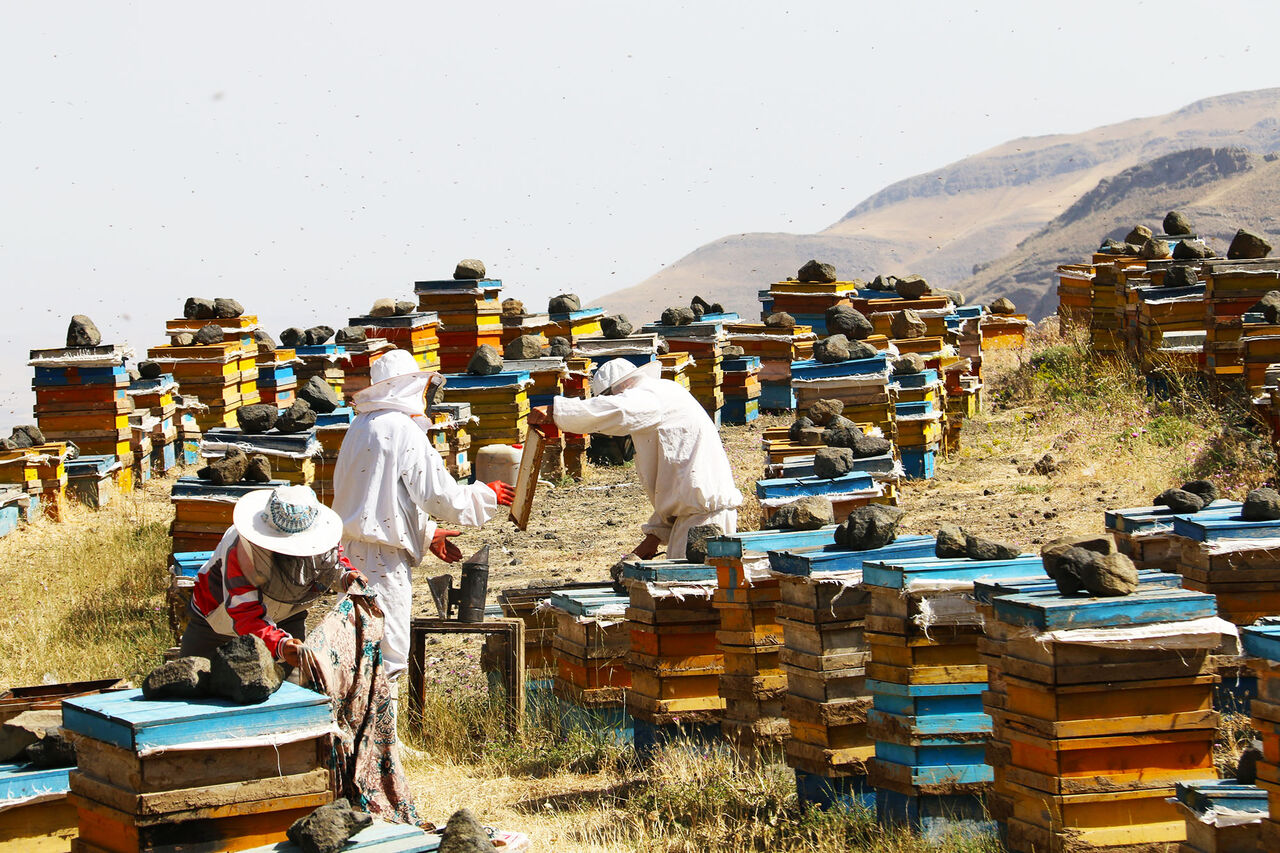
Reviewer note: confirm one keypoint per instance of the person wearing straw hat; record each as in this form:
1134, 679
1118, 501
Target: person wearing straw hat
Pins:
281, 553
678, 453
389, 483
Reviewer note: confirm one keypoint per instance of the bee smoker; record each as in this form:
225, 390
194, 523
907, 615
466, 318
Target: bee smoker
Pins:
467, 599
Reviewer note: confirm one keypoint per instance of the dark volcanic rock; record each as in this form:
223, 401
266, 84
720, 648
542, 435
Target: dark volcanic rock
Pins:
1246, 245
486, 361
950, 543
979, 548
565, 303
1261, 505
695, 550
1052, 553
150, 370
883, 283
464, 834
227, 309
384, 307
292, 337
180, 678
956, 297
227, 470
351, 335
1191, 250
27, 435
82, 332
912, 287
328, 828
907, 324
823, 412
525, 346
808, 513
512, 308
318, 335
469, 269
257, 418
797, 428
319, 395
1154, 250
699, 307
1180, 276
616, 326
831, 462
677, 316
780, 320
1203, 489
1003, 305
1247, 768
862, 349
819, 273
264, 340
243, 671
52, 750
1109, 575
848, 321
869, 527
197, 308
560, 347
1179, 501
258, 470
906, 365
1269, 307
1176, 222
299, 417
210, 334
405, 307
1139, 235
832, 349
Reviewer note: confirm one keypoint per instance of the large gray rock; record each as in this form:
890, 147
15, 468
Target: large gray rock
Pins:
210, 334
699, 306
677, 315
257, 419
848, 435
1191, 250
832, 349
950, 543
848, 321
817, 272
1246, 245
525, 346
1176, 222
227, 470
486, 361
831, 462
328, 828
956, 297
197, 308
912, 287
1003, 306
183, 339
1155, 249
560, 347
1269, 307
319, 395
798, 426
1052, 554
732, 351
22, 730
1180, 276
227, 309
862, 349
82, 332
823, 412
1179, 501
565, 303
27, 435
1205, 490
243, 671
780, 320
181, 678
906, 365
1109, 575
884, 283
469, 269
351, 335
299, 417
405, 307
808, 513
259, 469
1261, 505
616, 326
695, 549
906, 324
985, 550
52, 750
869, 527
1139, 235
512, 308
464, 834
150, 369
293, 337
318, 335
264, 340
384, 307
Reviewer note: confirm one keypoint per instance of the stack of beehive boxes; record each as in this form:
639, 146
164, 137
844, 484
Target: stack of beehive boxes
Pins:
212, 374
547, 375
807, 301
277, 383
499, 402
417, 334
82, 397
919, 415
156, 400
1221, 815
1261, 644
1231, 289
741, 389
1101, 725
704, 341
924, 675
676, 367
574, 325
1170, 325
155, 774
675, 658
1075, 295
861, 384
91, 480
202, 511
355, 363
590, 646
776, 348
41, 472
1104, 324
469, 315
851, 490
1220, 553
1259, 349
450, 435
577, 384
823, 613
1004, 331
323, 361
330, 439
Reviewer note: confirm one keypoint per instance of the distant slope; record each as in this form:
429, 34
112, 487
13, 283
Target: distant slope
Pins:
945, 223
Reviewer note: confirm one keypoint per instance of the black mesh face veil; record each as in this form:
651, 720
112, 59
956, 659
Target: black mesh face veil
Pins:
294, 580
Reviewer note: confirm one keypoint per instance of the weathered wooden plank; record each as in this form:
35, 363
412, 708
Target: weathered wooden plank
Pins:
1050, 611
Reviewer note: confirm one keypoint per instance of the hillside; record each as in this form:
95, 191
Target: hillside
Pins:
946, 223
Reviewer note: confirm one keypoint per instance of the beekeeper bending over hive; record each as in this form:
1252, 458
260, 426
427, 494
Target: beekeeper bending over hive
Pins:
679, 457
388, 484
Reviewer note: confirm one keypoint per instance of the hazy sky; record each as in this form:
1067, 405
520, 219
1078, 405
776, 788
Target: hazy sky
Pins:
308, 158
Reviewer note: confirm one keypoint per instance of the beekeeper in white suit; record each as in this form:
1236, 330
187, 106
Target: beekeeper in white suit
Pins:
679, 457
388, 483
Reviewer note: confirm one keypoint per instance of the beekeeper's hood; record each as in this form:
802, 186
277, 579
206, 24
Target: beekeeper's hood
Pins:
397, 385
614, 373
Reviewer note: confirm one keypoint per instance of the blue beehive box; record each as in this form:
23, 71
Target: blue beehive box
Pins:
918, 464
830, 558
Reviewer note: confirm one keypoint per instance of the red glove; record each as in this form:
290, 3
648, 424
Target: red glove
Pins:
443, 548
505, 493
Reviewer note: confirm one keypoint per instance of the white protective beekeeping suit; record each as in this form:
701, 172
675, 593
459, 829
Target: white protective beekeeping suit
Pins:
388, 483
679, 456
